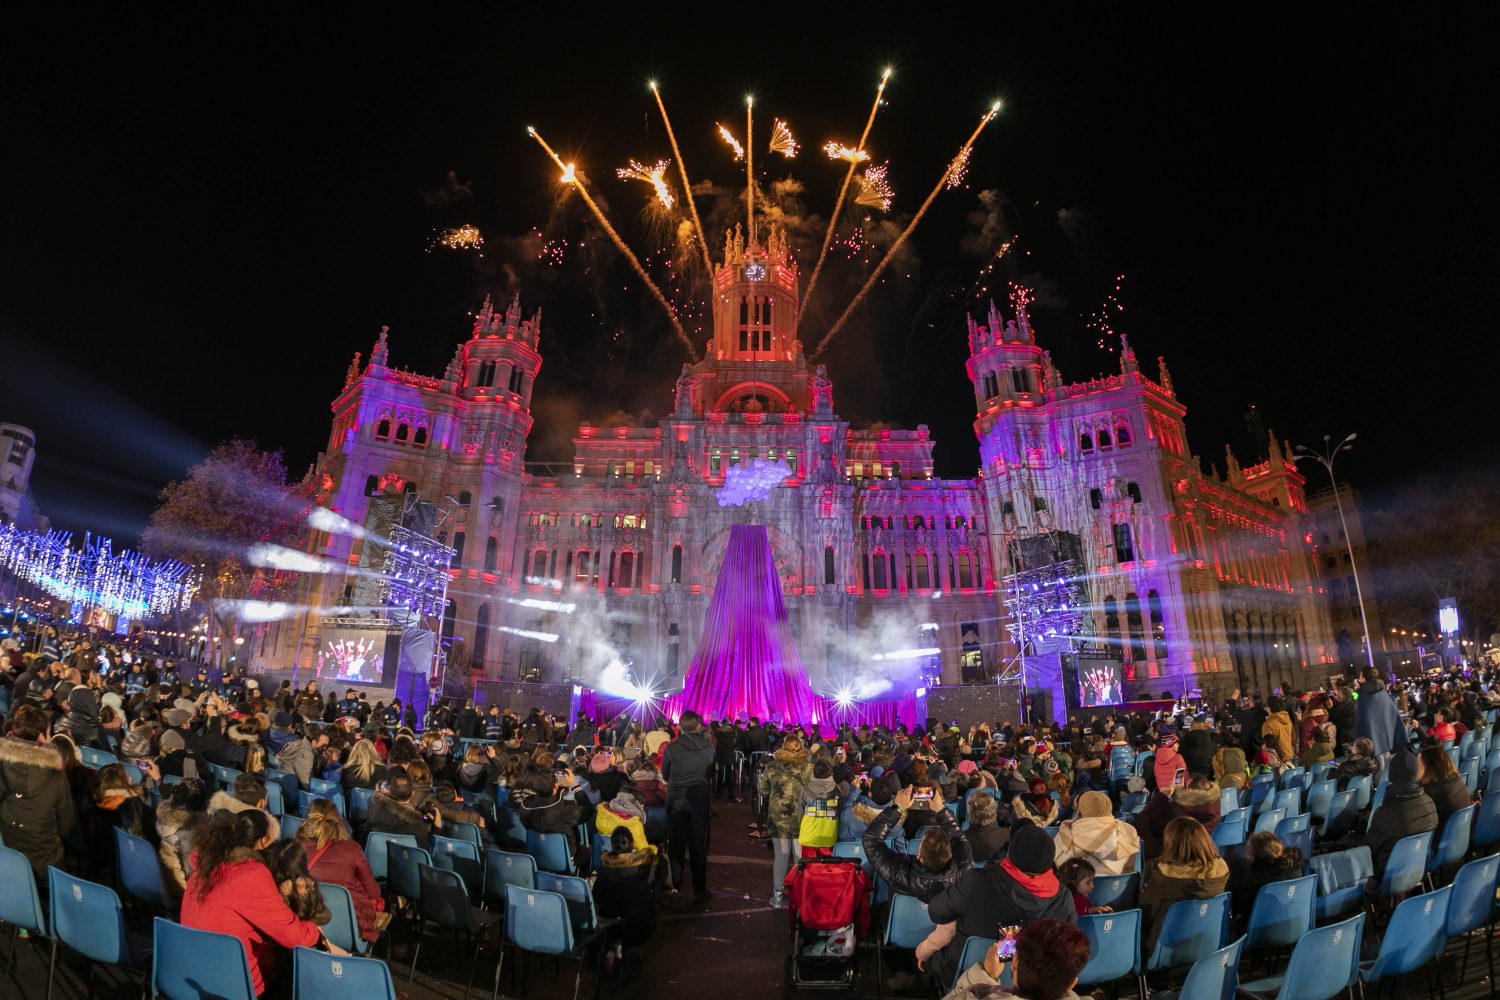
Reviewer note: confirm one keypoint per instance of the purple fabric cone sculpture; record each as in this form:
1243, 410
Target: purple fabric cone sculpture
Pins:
748, 661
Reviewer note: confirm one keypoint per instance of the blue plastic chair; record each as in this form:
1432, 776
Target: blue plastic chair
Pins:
1192, 929
1212, 977
551, 852
1134, 802
1267, 820
1282, 914
444, 900
87, 918
1487, 822
290, 824
317, 975
538, 922
1453, 846
459, 856
224, 776
189, 964
1469, 769
1379, 796
973, 953
402, 870
1294, 823
1262, 793
140, 871
1229, 800
1116, 891
1341, 880
851, 849
359, 803
580, 898
96, 759
1471, 906
20, 905
275, 799
1343, 813
1114, 948
502, 868
1363, 786
465, 831
1413, 938
324, 788
1230, 833
343, 926
376, 851
288, 782
306, 799
1289, 801
1318, 772
1302, 840
907, 925
1324, 964
1319, 795
1406, 866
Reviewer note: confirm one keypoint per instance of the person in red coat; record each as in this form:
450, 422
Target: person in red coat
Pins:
232, 892
333, 857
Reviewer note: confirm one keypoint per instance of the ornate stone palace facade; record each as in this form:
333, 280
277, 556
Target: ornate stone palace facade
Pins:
1195, 579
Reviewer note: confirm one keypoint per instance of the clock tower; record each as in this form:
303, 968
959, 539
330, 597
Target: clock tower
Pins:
755, 301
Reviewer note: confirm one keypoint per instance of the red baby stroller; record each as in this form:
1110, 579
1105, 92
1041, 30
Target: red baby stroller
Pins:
828, 902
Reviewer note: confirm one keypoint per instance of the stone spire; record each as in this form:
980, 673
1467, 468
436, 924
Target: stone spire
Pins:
353, 372
1128, 362
454, 372
1232, 465
1051, 377
1275, 453
1165, 377
380, 355
513, 312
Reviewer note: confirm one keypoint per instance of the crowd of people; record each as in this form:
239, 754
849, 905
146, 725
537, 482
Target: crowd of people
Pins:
1042, 816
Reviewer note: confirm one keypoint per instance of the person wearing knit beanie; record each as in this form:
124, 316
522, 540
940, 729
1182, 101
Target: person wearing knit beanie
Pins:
1092, 805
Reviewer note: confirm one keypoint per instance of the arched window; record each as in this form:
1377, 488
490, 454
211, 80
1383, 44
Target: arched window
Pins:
1039, 504
465, 498
1085, 443
1133, 490
1103, 439
458, 548
626, 575
1111, 620
1158, 625
491, 552
538, 565
481, 636
383, 429
1122, 434
965, 571
1018, 379
677, 564
923, 572
403, 432
409, 487
828, 567
372, 485
420, 437
1133, 623
881, 579
581, 566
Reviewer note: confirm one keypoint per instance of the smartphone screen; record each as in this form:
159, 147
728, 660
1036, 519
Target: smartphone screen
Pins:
921, 794
1180, 776
1007, 942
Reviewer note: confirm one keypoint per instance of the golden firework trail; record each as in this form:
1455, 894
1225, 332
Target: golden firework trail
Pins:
734, 144
838, 151
890, 254
570, 176
635, 171
874, 190
958, 169
838, 205
687, 187
750, 169
781, 139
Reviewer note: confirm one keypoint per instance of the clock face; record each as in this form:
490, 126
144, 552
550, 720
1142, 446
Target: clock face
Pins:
755, 272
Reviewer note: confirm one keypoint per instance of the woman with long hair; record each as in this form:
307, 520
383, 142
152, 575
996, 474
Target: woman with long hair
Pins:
334, 857
1265, 860
781, 785
232, 892
1189, 868
1442, 782
363, 767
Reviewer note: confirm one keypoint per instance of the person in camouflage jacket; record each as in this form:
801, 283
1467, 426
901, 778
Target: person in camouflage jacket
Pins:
781, 785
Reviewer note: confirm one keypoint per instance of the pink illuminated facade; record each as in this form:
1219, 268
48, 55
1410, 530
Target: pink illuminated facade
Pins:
1196, 579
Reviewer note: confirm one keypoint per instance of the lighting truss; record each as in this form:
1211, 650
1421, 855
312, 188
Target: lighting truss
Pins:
416, 572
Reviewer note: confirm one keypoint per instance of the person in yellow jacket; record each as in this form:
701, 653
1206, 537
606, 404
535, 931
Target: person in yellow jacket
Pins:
820, 813
623, 812
1277, 730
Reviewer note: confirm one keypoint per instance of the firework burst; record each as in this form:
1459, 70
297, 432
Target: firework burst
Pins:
1102, 320
874, 189
734, 144
652, 175
838, 151
781, 139
459, 238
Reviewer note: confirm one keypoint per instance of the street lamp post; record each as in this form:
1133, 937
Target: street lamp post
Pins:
1325, 459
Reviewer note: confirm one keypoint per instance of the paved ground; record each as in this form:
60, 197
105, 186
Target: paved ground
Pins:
733, 947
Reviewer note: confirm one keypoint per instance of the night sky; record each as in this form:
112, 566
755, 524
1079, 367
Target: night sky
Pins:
205, 215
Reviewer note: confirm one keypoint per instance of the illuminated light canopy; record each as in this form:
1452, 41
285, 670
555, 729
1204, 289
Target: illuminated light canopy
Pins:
126, 583
751, 482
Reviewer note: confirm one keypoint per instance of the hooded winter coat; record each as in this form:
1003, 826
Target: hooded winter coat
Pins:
341, 862
1107, 843
905, 873
819, 825
1277, 733
623, 889
386, 815
1169, 883
623, 811
243, 901
985, 899
781, 785
1229, 768
300, 759
222, 801
1202, 805
1377, 718
82, 720
36, 804
1165, 765
1447, 797
174, 827
1197, 747
1407, 810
